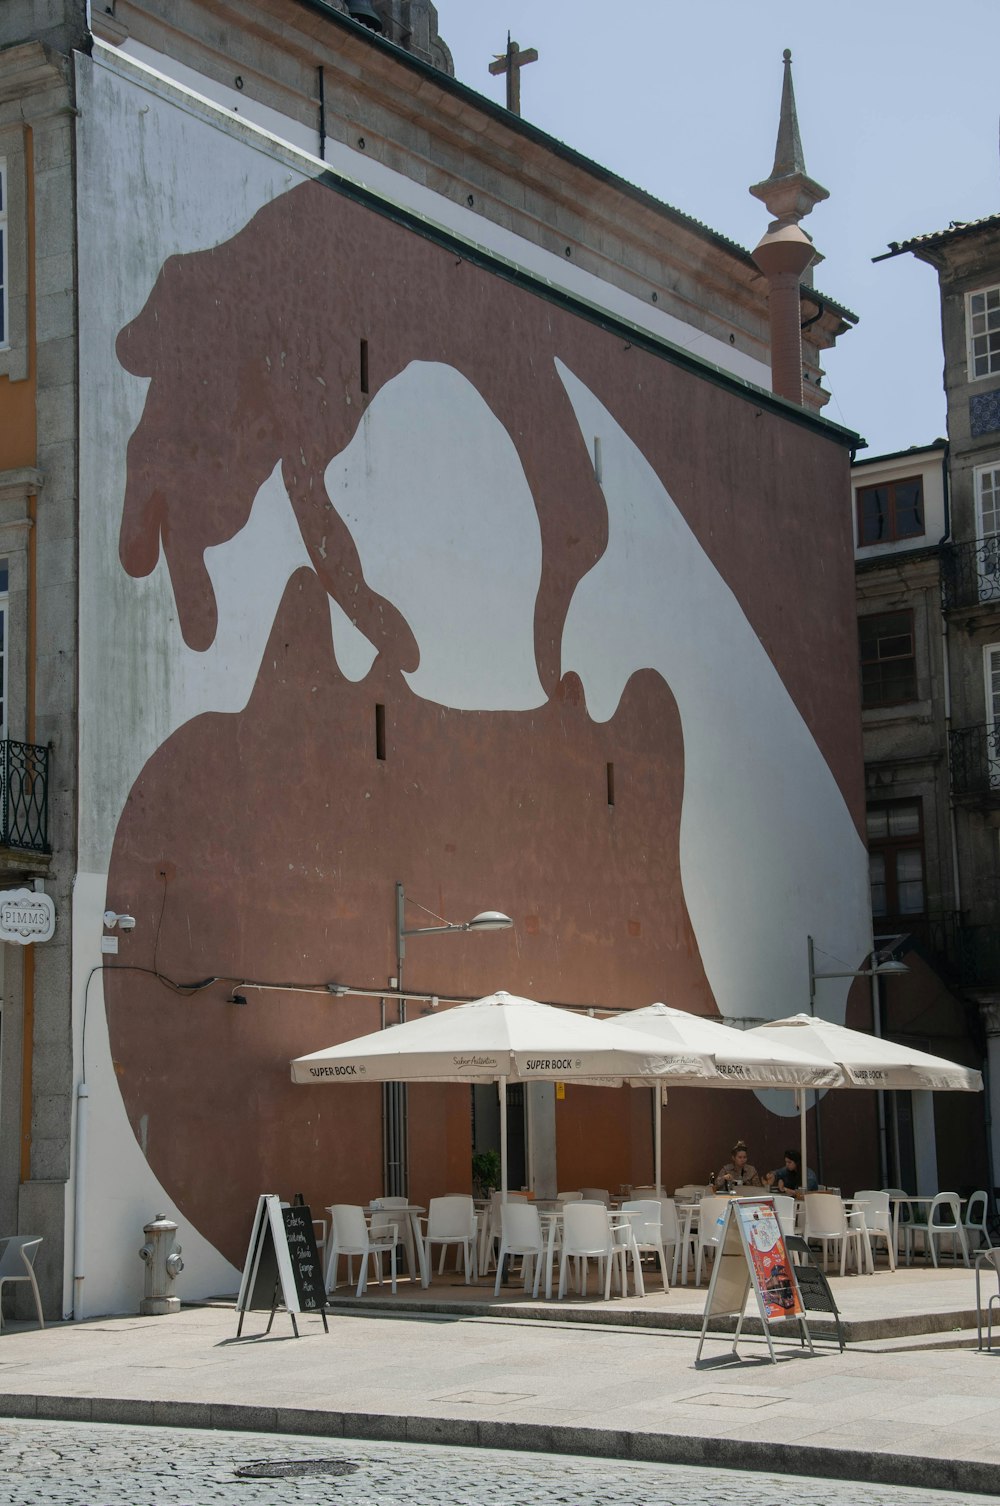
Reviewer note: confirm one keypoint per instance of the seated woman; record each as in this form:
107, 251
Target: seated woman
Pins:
737, 1172
788, 1178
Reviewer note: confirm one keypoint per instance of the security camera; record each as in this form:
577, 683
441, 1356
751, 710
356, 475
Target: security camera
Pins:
112, 919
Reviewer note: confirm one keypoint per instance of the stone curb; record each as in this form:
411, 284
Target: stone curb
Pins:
967, 1476
856, 1331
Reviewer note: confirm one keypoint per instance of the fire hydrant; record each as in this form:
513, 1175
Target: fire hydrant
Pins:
163, 1266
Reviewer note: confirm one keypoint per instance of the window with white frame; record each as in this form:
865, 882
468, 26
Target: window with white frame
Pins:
983, 323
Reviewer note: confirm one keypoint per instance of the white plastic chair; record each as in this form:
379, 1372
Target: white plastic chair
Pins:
670, 1232
691, 1192
351, 1235
490, 1228
587, 1235
784, 1207
451, 1221
976, 1212
878, 1220
646, 1217
710, 1210
568, 1197
17, 1260
827, 1222
521, 1234
379, 1221
944, 1220
595, 1195
987, 1261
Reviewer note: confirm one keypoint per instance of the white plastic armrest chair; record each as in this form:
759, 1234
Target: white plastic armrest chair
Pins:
521, 1234
452, 1221
645, 1216
976, 1214
711, 1210
352, 1236
17, 1259
826, 1221
878, 1220
587, 1235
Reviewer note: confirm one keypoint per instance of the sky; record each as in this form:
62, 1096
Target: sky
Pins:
898, 118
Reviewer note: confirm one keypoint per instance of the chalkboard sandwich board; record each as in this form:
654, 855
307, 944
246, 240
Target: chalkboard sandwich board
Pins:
282, 1264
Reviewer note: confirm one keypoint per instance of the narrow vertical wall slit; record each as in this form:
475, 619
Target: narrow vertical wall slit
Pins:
380, 732
611, 783
598, 466
364, 366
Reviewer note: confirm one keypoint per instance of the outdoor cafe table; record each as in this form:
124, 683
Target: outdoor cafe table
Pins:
413, 1245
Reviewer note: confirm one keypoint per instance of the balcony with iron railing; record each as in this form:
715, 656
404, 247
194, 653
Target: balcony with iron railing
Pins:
967, 955
970, 574
24, 796
974, 760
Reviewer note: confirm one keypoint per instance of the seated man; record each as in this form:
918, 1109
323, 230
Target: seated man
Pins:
787, 1178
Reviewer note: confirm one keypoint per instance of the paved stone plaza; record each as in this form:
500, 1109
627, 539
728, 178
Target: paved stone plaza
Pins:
918, 1411
69, 1464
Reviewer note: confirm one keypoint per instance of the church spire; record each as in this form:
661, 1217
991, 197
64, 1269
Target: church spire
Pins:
789, 193
785, 252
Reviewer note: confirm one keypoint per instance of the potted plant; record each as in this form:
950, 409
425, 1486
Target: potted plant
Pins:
485, 1172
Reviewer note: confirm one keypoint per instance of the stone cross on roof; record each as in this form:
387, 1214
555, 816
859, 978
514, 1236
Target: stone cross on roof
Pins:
511, 62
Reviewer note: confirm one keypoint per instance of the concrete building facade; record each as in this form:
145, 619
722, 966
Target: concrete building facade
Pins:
393, 496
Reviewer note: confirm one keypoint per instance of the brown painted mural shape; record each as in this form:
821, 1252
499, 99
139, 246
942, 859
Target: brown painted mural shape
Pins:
280, 831
263, 845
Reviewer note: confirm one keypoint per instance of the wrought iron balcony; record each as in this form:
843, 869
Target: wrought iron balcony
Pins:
979, 956
24, 796
974, 756
970, 574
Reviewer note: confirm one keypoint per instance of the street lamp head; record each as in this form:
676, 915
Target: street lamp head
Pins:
489, 920
891, 968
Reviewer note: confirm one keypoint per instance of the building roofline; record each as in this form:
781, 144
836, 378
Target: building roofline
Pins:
913, 449
594, 313
520, 126
957, 230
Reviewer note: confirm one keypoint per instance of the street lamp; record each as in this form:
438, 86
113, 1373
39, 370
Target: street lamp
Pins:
394, 1109
486, 920
890, 968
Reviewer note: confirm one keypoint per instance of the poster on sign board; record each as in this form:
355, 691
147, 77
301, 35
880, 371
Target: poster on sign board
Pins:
750, 1255
771, 1266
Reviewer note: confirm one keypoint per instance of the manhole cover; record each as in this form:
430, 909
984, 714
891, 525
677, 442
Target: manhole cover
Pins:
285, 1469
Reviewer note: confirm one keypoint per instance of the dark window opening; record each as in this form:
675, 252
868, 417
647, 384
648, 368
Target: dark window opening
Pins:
888, 661
892, 510
896, 861
380, 732
611, 784
364, 366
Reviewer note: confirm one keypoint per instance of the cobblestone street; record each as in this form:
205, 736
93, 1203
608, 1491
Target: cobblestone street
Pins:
68, 1464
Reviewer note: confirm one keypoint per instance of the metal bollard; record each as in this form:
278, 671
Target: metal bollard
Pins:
163, 1265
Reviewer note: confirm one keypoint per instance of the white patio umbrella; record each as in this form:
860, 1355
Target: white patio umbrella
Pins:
501, 1039
740, 1061
868, 1061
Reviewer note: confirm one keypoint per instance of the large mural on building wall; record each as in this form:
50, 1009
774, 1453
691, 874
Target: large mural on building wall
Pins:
502, 605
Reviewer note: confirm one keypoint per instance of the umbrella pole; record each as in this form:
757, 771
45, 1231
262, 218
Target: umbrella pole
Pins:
502, 1091
657, 1141
802, 1096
